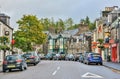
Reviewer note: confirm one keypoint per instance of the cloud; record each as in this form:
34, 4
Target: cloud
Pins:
76, 9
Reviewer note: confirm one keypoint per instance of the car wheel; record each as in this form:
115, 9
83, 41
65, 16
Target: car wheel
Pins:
84, 62
34, 64
101, 63
81, 61
4, 70
25, 67
10, 70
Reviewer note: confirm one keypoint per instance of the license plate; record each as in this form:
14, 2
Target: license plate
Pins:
11, 66
96, 57
27, 60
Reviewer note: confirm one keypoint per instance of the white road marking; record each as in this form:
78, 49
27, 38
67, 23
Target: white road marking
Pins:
91, 75
56, 70
58, 67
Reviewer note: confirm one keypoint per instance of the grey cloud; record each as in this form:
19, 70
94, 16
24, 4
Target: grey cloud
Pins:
63, 9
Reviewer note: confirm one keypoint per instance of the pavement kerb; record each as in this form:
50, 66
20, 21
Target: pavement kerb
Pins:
112, 68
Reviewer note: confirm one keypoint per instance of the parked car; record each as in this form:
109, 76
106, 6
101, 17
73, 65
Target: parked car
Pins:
62, 55
70, 57
81, 58
42, 56
32, 58
56, 56
77, 55
93, 58
50, 56
14, 62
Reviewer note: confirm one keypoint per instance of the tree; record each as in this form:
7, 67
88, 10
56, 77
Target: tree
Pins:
92, 26
29, 32
68, 23
87, 20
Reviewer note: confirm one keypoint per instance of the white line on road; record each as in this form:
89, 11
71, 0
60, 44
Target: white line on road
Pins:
56, 70
58, 67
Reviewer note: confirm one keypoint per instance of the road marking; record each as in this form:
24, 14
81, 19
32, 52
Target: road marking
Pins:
91, 75
58, 67
54, 72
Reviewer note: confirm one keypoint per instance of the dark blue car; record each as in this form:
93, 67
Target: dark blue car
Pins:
93, 58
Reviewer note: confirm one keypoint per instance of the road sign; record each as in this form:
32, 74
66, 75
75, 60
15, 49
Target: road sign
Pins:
91, 75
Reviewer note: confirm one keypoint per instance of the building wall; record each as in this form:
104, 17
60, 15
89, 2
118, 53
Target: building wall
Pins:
3, 29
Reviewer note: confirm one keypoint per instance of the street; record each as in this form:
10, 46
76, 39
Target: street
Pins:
62, 70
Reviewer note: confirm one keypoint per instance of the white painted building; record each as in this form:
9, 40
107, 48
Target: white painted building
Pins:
5, 29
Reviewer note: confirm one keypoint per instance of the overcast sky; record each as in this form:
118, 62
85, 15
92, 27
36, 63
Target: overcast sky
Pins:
64, 9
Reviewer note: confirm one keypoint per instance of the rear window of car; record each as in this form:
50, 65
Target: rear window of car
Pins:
27, 55
62, 52
11, 57
95, 55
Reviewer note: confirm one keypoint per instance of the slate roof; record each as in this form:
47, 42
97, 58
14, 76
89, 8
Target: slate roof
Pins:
6, 24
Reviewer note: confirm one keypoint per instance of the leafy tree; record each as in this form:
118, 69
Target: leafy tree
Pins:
4, 39
82, 21
75, 26
59, 26
69, 23
92, 26
87, 20
29, 32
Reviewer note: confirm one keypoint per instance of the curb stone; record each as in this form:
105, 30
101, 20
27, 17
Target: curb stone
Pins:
113, 69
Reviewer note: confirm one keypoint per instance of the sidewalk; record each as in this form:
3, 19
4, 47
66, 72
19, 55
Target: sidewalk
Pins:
112, 65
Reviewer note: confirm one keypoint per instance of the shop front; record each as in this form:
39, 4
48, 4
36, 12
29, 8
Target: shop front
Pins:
106, 52
114, 52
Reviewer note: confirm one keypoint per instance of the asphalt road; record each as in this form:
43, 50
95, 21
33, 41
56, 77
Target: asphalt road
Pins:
62, 70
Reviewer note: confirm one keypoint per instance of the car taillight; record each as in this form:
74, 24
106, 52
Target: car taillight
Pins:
18, 61
4, 62
32, 56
